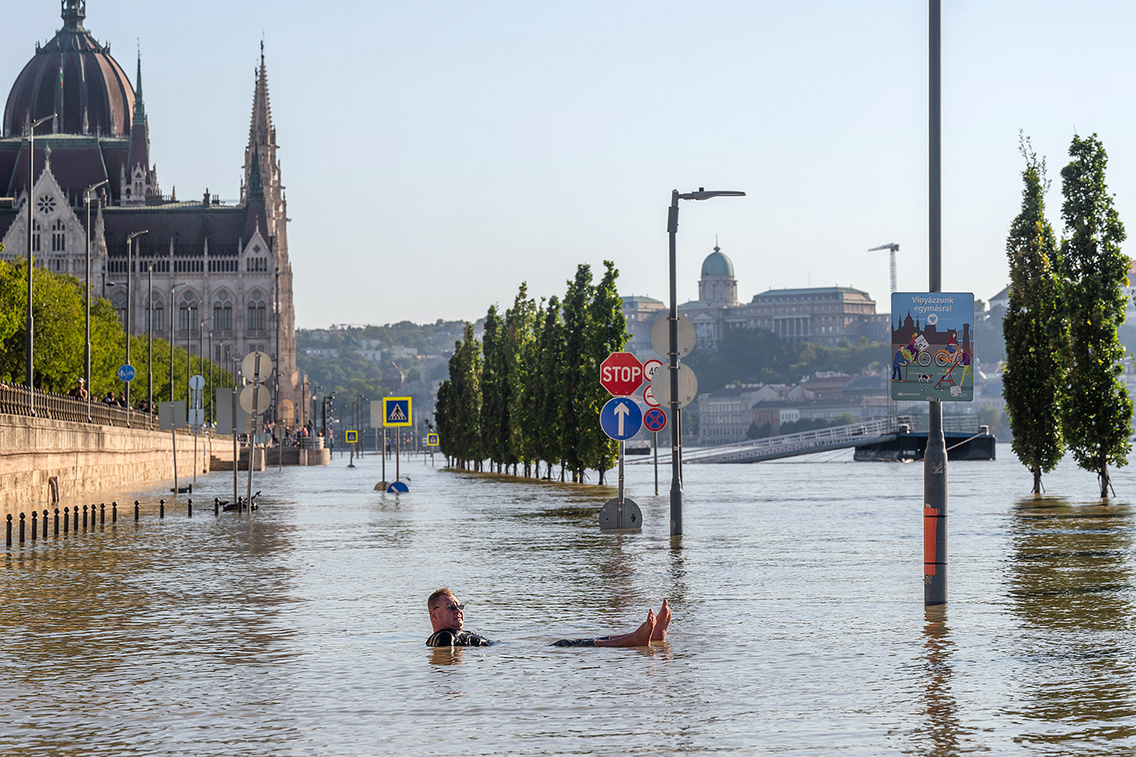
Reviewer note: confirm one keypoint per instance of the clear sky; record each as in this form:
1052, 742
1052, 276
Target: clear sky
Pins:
436, 154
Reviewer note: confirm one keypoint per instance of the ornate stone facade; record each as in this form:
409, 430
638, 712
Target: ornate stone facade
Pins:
221, 272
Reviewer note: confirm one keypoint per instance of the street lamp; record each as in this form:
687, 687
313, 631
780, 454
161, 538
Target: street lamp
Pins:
87, 298
150, 342
171, 308
129, 298
29, 336
672, 351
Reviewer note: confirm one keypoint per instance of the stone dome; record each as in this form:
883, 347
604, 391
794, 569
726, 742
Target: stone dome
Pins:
717, 264
74, 77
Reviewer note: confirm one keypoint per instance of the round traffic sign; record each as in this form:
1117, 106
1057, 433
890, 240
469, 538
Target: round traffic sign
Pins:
621, 374
258, 394
197, 382
661, 339
126, 373
621, 418
256, 366
655, 419
651, 365
610, 516
687, 386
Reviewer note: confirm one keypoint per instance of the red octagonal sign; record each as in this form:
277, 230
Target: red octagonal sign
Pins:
621, 374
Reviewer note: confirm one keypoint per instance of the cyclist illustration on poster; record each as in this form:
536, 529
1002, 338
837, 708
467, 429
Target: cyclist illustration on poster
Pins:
932, 346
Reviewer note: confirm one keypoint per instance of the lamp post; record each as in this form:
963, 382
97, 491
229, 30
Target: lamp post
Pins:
172, 288
87, 297
129, 299
150, 342
29, 336
672, 352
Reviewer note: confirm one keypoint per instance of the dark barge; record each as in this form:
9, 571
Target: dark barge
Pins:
908, 446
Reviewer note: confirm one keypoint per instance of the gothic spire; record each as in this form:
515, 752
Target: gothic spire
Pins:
139, 107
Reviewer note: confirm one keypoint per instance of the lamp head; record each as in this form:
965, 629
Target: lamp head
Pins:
703, 194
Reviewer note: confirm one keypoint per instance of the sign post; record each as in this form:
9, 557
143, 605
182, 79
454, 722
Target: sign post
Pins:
255, 399
621, 419
397, 413
655, 421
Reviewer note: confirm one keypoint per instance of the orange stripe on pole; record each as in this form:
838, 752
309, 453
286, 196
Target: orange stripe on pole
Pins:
930, 516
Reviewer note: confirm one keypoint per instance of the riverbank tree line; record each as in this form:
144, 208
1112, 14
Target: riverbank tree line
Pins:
1062, 382
58, 310
528, 392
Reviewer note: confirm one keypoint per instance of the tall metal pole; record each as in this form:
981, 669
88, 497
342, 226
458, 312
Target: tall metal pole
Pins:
672, 356
87, 300
129, 308
171, 309
935, 458
29, 335
150, 342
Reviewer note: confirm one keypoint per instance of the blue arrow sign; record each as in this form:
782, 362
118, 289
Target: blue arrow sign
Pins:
126, 373
621, 418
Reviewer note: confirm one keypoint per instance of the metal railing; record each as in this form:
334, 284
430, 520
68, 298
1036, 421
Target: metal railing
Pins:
63, 407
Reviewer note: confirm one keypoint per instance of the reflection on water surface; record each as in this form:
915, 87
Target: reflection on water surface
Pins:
799, 626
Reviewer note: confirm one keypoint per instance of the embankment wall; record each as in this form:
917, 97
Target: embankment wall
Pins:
44, 460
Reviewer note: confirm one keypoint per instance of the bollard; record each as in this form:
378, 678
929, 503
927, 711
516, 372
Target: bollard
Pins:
66, 519
35, 524
84, 517
57, 521
114, 512
135, 511
191, 507
75, 512
46, 515
8, 540
216, 506
21, 528
102, 513
161, 508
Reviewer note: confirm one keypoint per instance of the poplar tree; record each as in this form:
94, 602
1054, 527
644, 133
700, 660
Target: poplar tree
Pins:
1035, 329
607, 334
520, 352
494, 390
1098, 411
549, 388
576, 400
464, 399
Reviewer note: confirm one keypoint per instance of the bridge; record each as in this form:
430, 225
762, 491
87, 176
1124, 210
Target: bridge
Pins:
807, 442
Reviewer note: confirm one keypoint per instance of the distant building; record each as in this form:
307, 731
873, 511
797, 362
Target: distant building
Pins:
641, 313
820, 315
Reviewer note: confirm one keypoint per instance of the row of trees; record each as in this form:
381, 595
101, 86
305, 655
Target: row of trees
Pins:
1063, 355
529, 392
60, 335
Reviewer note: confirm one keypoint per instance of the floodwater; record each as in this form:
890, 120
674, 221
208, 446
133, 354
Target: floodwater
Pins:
799, 626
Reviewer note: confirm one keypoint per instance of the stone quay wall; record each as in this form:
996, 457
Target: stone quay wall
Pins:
43, 461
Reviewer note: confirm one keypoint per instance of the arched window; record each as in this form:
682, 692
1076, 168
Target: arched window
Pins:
157, 313
35, 236
187, 313
223, 312
256, 312
58, 236
118, 300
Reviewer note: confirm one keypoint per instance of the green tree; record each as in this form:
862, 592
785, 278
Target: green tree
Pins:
1098, 412
521, 354
1035, 329
548, 388
494, 390
465, 400
607, 333
577, 371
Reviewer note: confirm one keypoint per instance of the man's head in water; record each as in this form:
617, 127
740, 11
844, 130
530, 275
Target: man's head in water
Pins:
445, 610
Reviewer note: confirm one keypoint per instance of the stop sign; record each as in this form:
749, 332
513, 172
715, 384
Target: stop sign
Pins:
621, 374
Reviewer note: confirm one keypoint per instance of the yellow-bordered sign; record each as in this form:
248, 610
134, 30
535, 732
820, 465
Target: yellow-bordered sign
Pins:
351, 437
431, 440
397, 411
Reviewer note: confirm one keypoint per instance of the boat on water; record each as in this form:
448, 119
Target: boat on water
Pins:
909, 446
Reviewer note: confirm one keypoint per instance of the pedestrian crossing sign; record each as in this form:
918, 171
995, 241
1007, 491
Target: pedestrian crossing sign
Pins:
431, 440
396, 411
352, 437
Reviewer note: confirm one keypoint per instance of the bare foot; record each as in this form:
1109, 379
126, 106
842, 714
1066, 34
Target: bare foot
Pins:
662, 623
640, 637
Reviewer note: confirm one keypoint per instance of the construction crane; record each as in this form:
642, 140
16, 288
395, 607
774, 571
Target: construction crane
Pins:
894, 249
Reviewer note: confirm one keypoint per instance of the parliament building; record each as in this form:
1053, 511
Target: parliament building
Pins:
220, 270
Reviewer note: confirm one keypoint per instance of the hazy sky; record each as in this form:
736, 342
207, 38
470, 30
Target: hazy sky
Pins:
436, 154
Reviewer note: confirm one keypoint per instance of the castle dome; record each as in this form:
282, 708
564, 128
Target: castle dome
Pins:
74, 77
717, 264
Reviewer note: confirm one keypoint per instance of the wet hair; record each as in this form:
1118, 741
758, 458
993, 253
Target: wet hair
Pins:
443, 592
